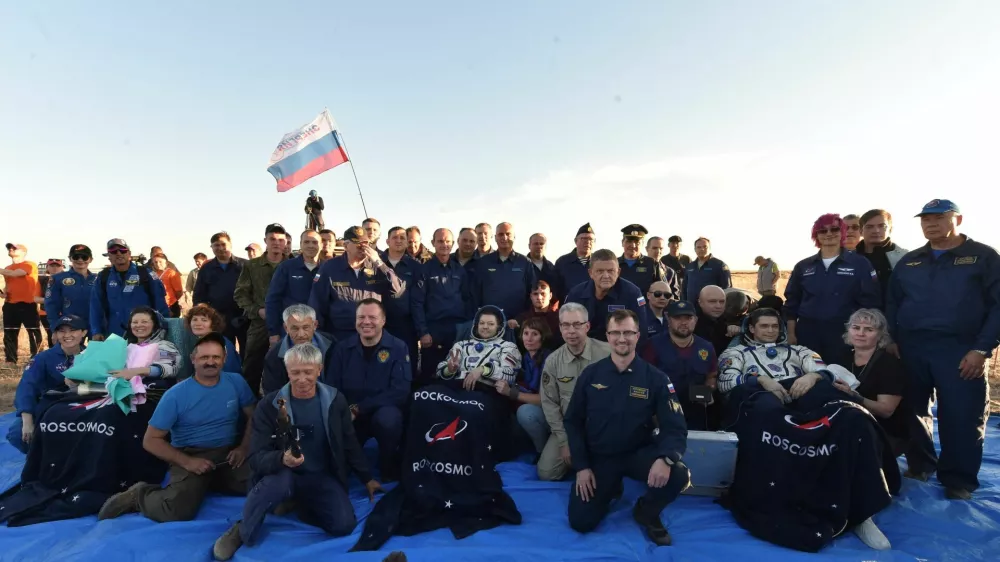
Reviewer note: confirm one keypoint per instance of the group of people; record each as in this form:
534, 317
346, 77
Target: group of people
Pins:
597, 364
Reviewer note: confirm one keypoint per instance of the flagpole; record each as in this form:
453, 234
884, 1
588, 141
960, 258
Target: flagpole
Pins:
355, 173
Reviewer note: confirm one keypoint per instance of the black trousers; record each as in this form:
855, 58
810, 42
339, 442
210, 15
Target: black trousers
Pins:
608, 473
44, 321
15, 315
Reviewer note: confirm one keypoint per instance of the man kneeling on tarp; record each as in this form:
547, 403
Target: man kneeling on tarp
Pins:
301, 447
201, 414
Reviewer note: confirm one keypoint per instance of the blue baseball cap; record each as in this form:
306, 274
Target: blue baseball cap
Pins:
937, 207
677, 309
71, 320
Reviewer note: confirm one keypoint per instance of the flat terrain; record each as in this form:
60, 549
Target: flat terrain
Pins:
9, 376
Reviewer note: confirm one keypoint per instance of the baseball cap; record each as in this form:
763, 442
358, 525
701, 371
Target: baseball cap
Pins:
54, 261
675, 239
12, 245
680, 308
71, 320
355, 234
118, 242
274, 227
78, 249
937, 207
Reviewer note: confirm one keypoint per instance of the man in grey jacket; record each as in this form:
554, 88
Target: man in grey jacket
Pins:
767, 276
876, 226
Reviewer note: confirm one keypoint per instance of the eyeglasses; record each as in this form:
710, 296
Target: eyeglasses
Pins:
116, 251
660, 294
831, 230
619, 333
574, 325
79, 257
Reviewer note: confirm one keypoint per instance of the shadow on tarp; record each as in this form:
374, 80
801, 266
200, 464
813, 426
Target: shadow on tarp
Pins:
920, 524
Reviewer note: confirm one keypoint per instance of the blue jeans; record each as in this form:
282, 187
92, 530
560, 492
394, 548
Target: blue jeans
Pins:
532, 420
319, 498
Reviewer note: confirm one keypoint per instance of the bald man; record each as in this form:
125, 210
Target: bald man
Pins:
659, 296
711, 324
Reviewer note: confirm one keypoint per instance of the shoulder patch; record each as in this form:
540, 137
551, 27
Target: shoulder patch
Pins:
546, 378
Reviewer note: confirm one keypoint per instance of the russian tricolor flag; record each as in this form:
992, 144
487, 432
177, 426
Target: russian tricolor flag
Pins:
307, 152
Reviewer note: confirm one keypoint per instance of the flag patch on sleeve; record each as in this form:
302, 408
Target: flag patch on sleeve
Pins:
641, 301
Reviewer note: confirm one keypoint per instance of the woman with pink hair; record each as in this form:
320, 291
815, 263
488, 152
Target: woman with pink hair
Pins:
826, 288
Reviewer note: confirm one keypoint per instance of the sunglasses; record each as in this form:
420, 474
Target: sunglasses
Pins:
831, 230
117, 251
79, 257
660, 294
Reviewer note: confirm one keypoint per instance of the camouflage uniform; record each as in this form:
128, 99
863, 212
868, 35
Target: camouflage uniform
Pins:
251, 290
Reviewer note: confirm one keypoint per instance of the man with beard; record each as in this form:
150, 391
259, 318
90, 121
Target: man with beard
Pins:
216, 285
712, 325
616, 404
605, 293
687, 359
200, 415
881, 251
571, 269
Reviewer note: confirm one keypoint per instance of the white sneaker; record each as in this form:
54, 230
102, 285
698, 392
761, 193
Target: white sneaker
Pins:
870, 534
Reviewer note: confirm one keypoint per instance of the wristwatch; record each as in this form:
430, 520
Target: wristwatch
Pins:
981, 352
668, 461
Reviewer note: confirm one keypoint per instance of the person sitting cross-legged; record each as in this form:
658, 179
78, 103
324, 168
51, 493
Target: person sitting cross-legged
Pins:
200, 414
306, 461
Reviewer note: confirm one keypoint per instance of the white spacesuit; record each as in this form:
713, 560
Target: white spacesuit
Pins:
499, 358
779, 361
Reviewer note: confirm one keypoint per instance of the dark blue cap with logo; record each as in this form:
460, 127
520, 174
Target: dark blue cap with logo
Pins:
73, 321
680, 308
937, 207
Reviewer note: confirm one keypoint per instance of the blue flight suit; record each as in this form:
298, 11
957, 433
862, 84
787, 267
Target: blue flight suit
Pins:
940, 308
621, 296
43, 373
215, 287
609, 427
339, 289
447, 296
821, 300
571, 272
125, 292
655, 325
291, 284
69, 293
378, 382
643, 272
505, 284
403, 314
684, 367
696, 278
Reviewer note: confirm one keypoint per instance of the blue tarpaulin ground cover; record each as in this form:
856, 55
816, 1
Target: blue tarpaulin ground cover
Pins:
921, 525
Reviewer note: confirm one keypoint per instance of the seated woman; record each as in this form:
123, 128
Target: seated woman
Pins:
883, 380
145, 329
527, 402
44, 373
782, 402
479, 363
543, 307
203, 319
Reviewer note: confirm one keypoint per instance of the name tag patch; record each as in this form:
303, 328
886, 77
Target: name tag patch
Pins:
966, 260
614, 307
638, 392
339, 284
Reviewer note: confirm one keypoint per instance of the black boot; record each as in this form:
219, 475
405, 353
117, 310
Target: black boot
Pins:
652, 525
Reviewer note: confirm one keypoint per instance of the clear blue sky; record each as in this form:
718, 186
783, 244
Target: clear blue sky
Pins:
742, 121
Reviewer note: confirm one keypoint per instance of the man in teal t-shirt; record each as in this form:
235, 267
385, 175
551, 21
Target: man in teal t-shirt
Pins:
201, 414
